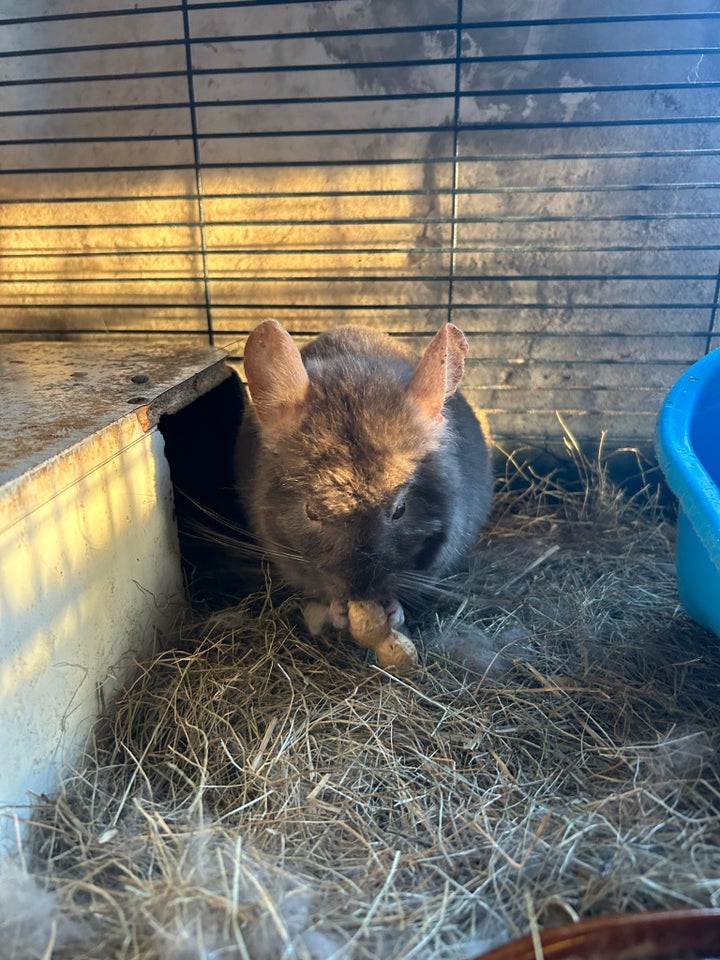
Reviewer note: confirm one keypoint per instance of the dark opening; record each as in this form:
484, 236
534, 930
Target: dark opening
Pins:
199, 445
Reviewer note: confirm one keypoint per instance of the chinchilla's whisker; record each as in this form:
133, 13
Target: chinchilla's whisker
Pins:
284, 554
245, 539
418, 583
272, 551
221, 518
245, 543
198, 531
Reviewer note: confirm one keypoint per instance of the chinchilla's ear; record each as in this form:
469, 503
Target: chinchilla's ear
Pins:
276, 376
439, 372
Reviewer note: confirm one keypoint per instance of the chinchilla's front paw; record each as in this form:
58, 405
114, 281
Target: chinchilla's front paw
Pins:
321, 616
339, 614
395, 613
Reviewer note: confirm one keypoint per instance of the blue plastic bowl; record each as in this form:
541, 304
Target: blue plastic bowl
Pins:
687, 443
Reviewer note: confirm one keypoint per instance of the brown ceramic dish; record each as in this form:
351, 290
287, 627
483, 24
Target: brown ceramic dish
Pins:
664, 935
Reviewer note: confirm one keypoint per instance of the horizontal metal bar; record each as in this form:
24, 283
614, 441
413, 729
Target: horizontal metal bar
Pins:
585, 21
688, 152
92, 78
360, 65
232, 38
132, 11
359, 98
587, 124
429, 95
366, 131
261, 251
105, 108
320, 163
128, 138
42, 332
375, 221
349, 278
393, 307
249, 165
365, 65
489, 24
592, 55
354, 221
323, 194
126, 225
90, 15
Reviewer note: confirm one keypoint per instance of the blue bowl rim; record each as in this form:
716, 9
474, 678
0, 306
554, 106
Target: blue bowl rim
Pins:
685, 473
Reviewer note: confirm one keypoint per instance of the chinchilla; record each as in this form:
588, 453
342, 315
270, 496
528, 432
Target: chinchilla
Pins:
365, 475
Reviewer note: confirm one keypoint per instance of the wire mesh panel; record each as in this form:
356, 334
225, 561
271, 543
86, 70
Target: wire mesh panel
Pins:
545, 174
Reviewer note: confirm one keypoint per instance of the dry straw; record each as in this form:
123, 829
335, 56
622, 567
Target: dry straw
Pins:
255, 794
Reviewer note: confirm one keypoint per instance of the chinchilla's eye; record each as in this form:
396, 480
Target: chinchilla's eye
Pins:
312, 512
398, 511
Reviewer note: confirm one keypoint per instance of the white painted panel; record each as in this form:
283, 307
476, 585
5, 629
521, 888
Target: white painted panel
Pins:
86, 579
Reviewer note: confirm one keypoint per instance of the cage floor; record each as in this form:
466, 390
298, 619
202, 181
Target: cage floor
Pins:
254, 794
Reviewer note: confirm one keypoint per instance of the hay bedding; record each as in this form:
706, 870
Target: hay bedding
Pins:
257, 795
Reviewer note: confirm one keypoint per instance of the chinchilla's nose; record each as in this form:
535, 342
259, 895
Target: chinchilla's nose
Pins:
367, 579
356, 562
361, 587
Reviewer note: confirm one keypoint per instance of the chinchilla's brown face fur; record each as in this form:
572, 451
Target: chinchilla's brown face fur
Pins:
350, 464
